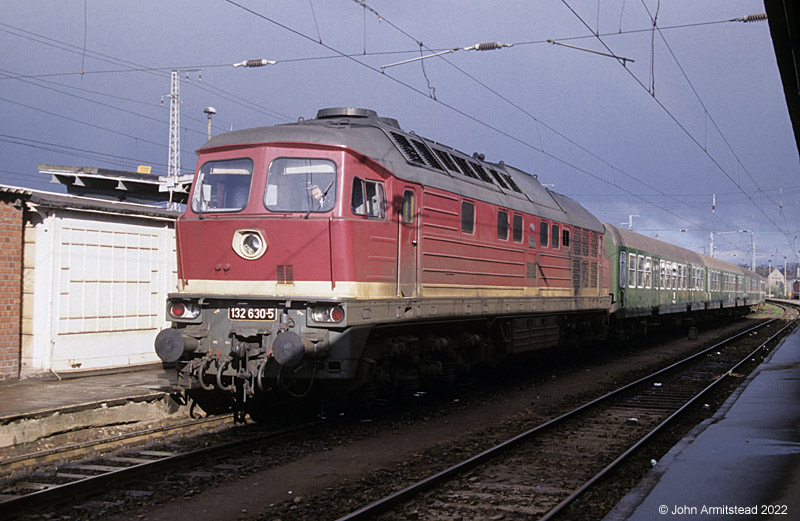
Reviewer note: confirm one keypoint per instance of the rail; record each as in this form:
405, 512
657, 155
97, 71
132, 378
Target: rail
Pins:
646, 383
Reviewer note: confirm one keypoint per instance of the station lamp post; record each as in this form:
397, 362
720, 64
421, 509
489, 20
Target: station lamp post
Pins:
210, 111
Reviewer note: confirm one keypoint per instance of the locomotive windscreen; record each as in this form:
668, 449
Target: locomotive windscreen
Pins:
301, 185
223, 186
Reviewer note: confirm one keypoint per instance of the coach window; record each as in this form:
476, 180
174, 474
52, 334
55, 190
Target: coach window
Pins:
555, 236
368, 198
632, 270
543, 236
622, 270
516, 228
467, 217
502, 225
648, 272
662, 273
301, 185
640, 279
223, 186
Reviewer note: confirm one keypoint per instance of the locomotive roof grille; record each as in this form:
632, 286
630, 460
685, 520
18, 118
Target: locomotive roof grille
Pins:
498, 178
481, 172
461, 162
445, 158
415, 151
510, 181
420, 152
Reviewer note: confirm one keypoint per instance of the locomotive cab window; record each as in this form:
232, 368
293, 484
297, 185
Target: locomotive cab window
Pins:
467, 217
368, 198
301, 185
222, 186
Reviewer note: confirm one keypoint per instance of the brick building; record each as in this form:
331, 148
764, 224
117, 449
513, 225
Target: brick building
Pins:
11, 230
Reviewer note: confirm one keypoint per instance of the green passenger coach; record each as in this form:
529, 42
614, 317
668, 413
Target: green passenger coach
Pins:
650, 279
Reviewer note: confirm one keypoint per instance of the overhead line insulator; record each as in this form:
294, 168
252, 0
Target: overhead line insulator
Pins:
488, 46
761, 17
255, 63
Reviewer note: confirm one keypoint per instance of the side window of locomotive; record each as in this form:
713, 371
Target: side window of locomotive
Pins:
556, 235
516, 228
301, 185
222, 186
408, 207
368, 198
502, 225
543, 235
467, 217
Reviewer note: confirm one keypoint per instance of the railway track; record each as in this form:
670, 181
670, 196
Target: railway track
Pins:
69, 473
67, 482
541, 472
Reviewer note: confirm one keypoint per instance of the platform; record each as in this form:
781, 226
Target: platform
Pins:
30, 409
744, 463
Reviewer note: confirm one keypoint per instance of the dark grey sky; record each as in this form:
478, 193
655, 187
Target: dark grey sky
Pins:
699, 111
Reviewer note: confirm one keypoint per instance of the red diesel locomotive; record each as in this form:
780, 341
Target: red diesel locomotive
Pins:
343, 253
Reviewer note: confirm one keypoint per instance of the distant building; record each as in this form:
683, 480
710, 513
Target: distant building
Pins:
776, 283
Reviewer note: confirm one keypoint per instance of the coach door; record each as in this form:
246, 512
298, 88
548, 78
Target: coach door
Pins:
408, 238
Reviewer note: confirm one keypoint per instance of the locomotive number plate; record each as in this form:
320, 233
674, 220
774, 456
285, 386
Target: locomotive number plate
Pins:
251, 313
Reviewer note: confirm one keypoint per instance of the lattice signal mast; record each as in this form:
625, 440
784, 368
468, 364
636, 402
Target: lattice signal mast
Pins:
174, 169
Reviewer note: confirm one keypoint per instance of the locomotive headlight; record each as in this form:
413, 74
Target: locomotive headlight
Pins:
183, 310
249, 244
327, 314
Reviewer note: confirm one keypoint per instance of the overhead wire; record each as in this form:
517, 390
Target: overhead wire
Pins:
446, 105
74, 151
538, 122
708, 115
678, 123
130, 67
93, 125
